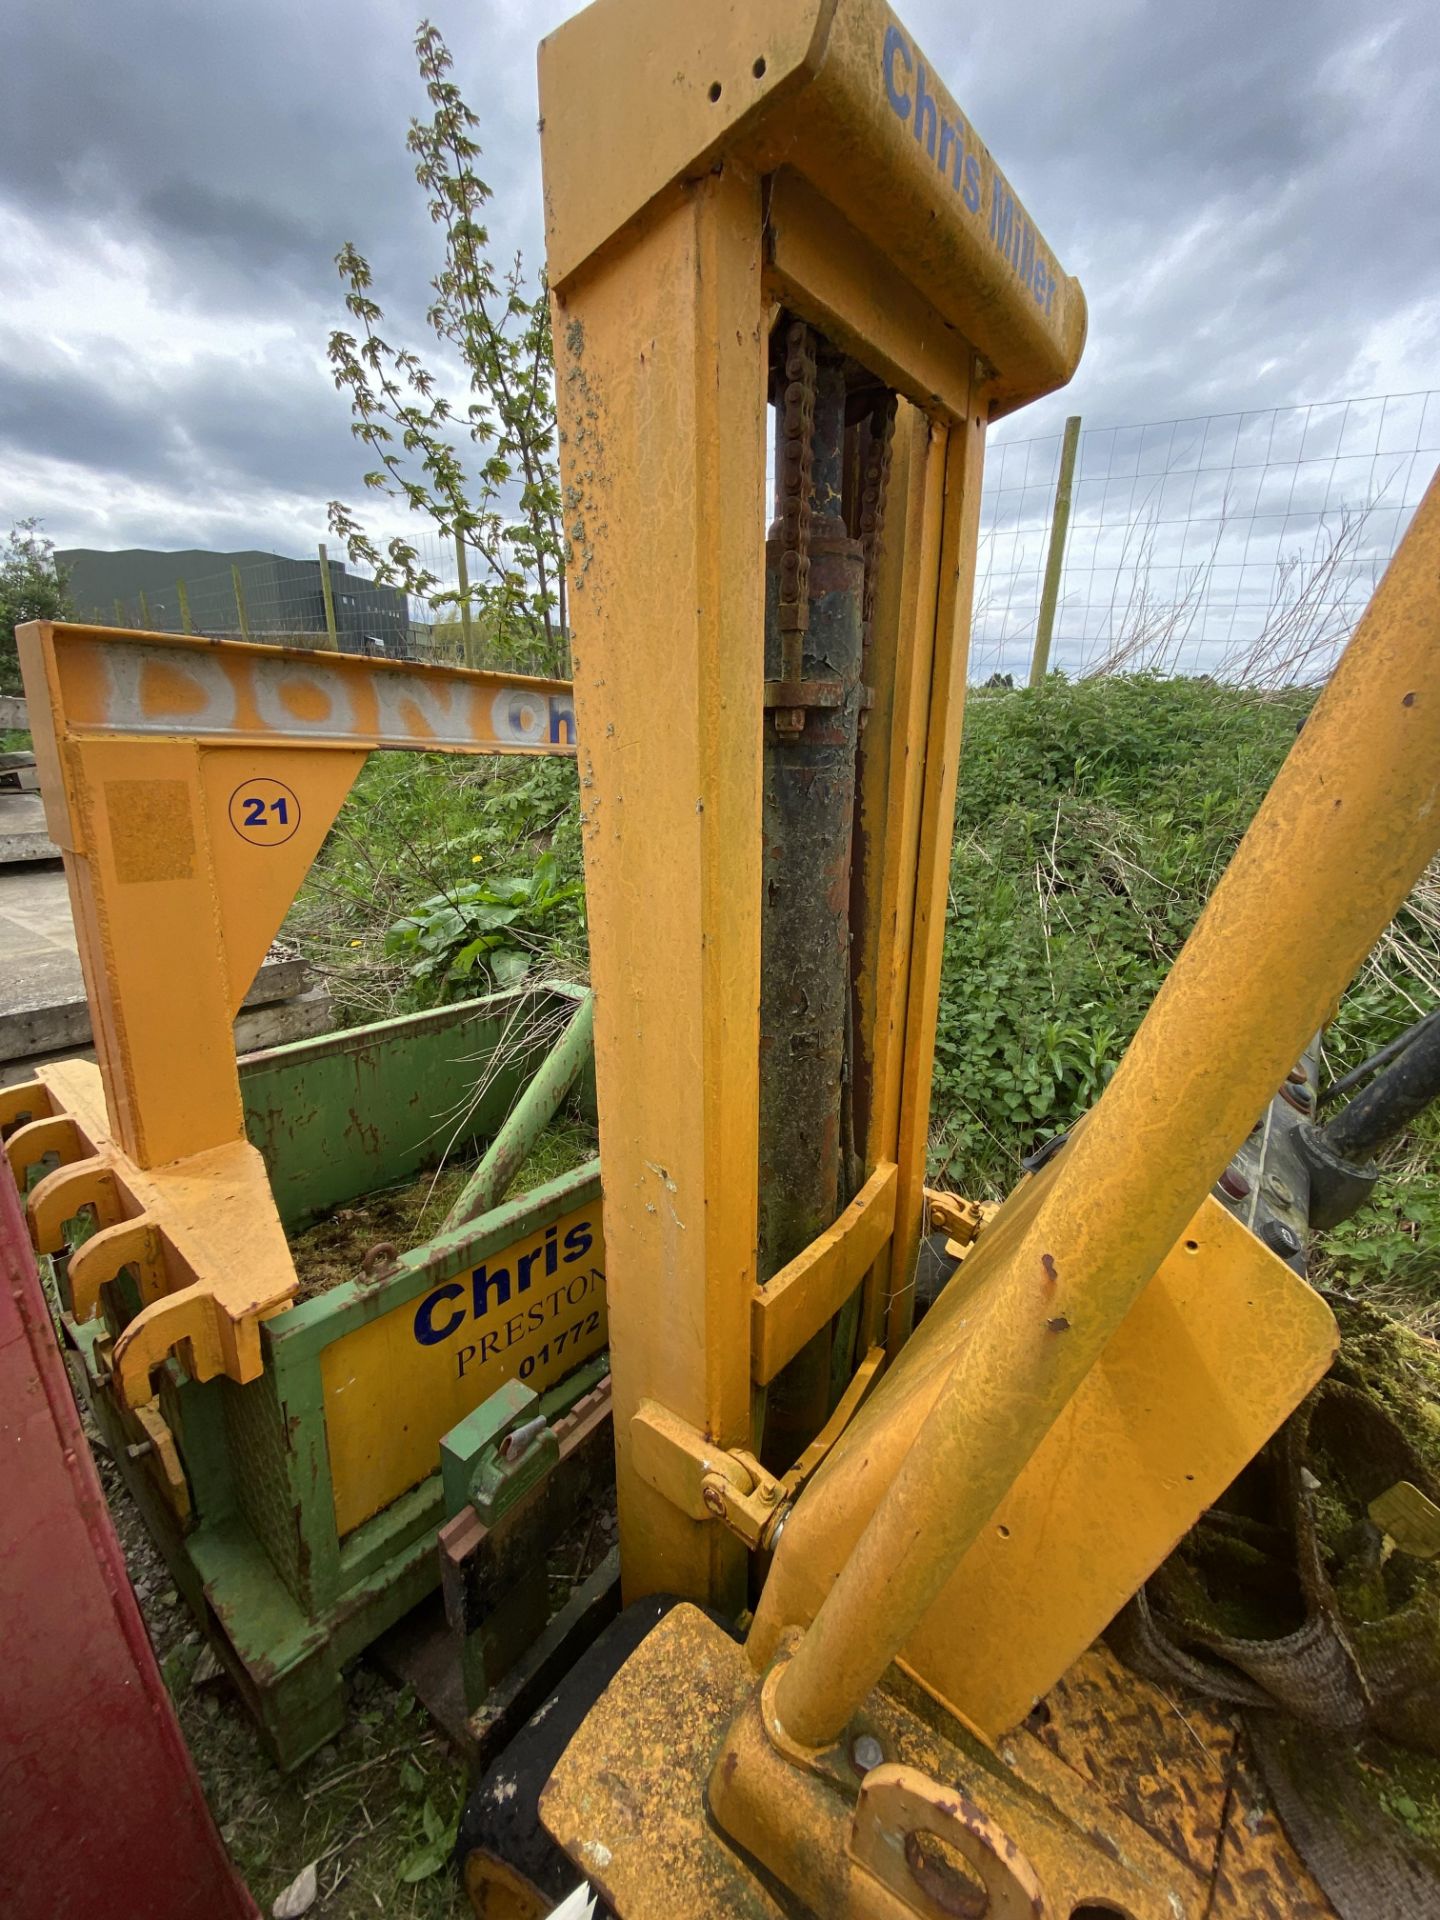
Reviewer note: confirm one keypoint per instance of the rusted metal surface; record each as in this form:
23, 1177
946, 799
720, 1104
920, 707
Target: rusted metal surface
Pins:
808, 823
876, 440
627, 1804
900, 1809
794, 460
1114, 1798
479, 1565
1180, 1769
1258, 1873
626, 1801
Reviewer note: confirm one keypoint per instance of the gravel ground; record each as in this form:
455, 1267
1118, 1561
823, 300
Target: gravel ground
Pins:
374, 1811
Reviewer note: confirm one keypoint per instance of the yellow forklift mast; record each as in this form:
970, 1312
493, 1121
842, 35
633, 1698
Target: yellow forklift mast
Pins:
877, 1556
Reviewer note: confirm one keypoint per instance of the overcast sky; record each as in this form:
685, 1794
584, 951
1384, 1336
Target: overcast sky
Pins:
1249, 193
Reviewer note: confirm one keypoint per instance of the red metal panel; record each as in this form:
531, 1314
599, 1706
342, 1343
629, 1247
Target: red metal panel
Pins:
100, 1806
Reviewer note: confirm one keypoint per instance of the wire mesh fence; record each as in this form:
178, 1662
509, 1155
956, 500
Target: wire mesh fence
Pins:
313, 602
1244, 545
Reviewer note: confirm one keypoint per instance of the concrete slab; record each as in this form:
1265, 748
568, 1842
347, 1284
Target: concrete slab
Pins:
43, 1010
23, 836
256, 1030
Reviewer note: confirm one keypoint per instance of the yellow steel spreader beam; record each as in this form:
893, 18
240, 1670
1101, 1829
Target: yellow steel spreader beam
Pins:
189, 784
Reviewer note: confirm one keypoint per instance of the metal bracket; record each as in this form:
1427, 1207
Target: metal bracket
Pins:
803, 693
702, 1480
177, 1226
711, 1483
798, 1301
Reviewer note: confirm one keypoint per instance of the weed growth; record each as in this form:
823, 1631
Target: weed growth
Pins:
1094, 819
442, 877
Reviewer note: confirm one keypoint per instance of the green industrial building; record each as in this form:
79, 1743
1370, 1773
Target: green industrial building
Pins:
196, 589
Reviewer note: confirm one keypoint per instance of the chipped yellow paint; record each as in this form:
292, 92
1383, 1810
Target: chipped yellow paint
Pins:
203, 1233
704, 170
189, 784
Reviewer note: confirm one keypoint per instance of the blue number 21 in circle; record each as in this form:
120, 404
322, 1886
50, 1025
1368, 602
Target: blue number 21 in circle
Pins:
255, 811
264, 811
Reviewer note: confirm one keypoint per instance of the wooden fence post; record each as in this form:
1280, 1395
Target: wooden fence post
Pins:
332, 634
240, 602
1055, 558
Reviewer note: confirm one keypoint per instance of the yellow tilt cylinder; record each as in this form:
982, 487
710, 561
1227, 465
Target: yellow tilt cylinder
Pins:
1350, 823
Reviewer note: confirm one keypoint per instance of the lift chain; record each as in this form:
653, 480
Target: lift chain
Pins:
874, 485
797, 429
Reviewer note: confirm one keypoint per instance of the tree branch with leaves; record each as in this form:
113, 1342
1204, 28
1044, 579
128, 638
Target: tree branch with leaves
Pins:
470, 446
33, 586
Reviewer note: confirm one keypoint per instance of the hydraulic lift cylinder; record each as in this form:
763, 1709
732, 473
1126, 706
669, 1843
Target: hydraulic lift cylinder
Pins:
1348, 826
813, 644
1391, 1101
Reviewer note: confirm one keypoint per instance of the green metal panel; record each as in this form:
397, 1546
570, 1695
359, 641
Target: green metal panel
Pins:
351, 1112
304, 1330
287, 1601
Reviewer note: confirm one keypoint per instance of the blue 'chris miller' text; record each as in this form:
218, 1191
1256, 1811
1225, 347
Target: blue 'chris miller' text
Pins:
946, 143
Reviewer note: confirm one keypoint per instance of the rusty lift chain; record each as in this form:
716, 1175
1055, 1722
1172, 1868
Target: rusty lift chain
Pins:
797, 431
791, 695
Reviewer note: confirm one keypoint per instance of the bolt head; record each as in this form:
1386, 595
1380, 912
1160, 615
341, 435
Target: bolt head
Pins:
713, 1494
867, 1752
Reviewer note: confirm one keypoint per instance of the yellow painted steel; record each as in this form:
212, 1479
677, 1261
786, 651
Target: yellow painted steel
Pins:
705, 170
1359, 796
1213, 1356
793, 1306
189, 784
891, 790
203, 1233
661, 397
626, 1801
394, 1385
638, 99
960, 522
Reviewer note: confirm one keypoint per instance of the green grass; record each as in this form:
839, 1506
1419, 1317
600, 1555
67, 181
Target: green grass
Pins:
420, 826
1092, 823
1093, 820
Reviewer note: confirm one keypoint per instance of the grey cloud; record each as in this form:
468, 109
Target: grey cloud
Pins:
72, 416
1290, 141
217, 424
248, 143
1276, 155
